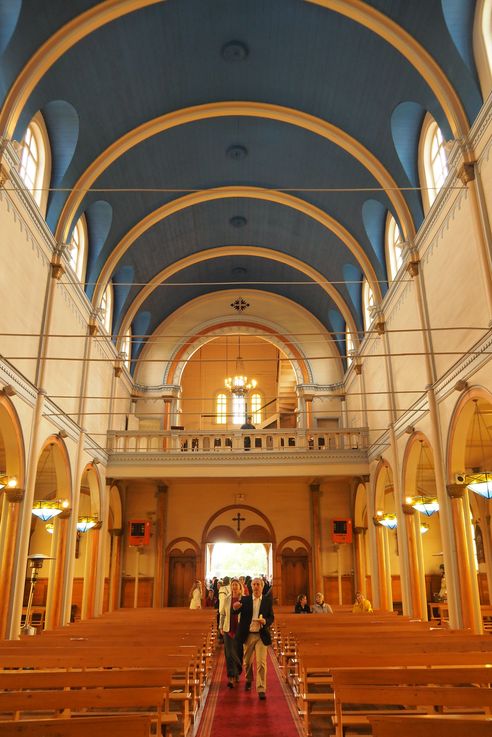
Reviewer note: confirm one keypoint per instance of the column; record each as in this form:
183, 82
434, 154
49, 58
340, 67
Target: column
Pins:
382, 568
115, 572
360, 559
316, 536
409, 516
160, 545
55, 580
468, 600
91, 547
480, 223
13, 499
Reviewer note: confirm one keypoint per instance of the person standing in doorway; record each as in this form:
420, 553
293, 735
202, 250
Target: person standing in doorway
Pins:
254, 633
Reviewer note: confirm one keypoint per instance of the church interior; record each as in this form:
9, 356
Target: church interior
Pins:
218, 213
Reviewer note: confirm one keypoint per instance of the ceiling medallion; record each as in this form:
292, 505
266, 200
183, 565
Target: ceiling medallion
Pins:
239, 304
238, 221
236, 152
234, 51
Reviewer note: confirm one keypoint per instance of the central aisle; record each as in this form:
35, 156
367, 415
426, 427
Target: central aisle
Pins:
238, 713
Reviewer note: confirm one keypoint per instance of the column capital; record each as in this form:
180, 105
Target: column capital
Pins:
116, 532
455, 491
466, 172
314, 488
358, 367
14, 495
360, 530
408, 509
377, 522
161, 489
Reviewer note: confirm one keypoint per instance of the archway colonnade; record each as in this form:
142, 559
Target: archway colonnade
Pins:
391, 564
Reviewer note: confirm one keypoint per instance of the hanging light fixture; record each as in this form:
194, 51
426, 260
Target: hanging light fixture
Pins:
239, 384
424, 527
49, 527
86, 523
389, 521
423, 503
481, 480
46, 510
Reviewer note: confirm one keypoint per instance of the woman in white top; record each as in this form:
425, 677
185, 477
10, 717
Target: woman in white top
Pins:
196, 595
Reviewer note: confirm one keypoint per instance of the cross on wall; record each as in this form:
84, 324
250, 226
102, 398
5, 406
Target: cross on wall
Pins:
238, 519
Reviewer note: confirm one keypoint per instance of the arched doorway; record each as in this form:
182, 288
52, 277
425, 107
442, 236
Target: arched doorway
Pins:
248, 530
183, 563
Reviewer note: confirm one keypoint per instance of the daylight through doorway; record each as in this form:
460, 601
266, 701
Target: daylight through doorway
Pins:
238, 559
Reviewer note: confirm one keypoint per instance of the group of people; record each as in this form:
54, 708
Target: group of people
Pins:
245, 615
361, 605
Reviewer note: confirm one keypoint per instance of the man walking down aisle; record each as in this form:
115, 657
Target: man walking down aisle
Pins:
254, 632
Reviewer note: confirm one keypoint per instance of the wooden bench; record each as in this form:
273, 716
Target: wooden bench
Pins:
397, 687
430, 726
122, 726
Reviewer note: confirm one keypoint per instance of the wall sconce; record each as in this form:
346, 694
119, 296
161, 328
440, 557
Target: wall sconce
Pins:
86, 523
7, 482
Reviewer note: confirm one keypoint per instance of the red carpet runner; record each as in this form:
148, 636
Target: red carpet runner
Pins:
238, 713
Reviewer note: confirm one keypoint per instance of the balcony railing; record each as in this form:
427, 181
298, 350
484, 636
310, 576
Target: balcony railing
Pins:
251, 441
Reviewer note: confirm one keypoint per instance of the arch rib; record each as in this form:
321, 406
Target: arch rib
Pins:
210, 195
281, 114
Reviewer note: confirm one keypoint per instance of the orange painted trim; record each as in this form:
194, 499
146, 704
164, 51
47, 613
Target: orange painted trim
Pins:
239, 507
49, 53
229, 324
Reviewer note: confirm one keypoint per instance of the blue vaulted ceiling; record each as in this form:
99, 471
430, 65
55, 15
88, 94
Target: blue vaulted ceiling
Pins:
167, 56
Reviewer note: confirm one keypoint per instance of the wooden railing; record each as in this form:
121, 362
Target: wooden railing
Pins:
251, 441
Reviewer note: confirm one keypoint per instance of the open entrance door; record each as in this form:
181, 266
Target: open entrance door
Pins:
239, 559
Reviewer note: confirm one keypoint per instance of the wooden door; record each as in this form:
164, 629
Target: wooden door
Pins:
295, 575
181, 576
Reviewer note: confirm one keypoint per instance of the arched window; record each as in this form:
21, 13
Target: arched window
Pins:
255, 411
77, 248
221, 409
106, 307
238, 409
368, 304
35, 161
394, 247
433, 164
126, 347
350, 346
482, 45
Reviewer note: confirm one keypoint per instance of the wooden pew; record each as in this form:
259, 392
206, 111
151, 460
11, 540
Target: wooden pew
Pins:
36, 703
430, 726
123, 726
398, 687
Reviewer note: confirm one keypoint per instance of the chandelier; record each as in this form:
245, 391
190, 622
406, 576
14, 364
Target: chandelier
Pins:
423, 503
480, 481
239, 384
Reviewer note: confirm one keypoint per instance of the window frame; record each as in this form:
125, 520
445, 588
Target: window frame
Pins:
368, 302
106, 306
80, 266
429, 186
42, 176
482, 45
393, 262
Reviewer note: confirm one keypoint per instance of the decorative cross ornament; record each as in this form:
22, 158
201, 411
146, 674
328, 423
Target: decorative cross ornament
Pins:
238, 519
